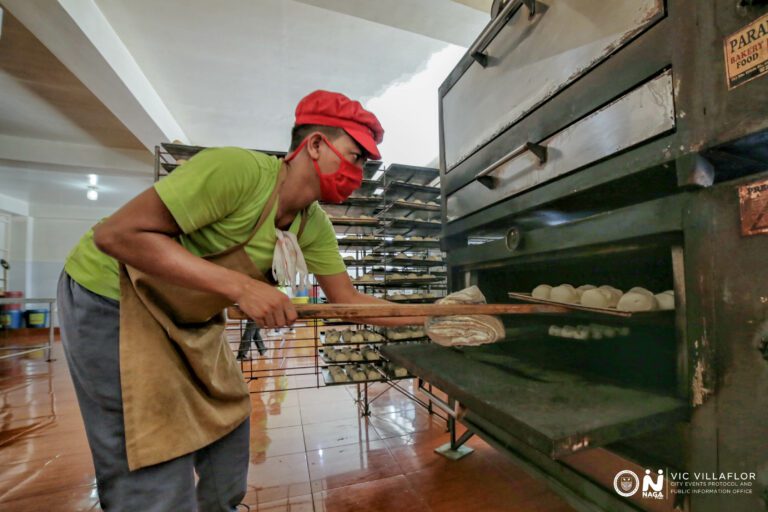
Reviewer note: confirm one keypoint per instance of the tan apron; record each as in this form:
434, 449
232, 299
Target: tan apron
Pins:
182, 387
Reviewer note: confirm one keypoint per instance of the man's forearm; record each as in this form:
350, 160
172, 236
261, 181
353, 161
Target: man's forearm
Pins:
159, 255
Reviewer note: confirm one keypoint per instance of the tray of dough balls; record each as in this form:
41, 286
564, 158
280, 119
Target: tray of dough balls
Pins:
405, 333
431, 242
416, 204
369, 279
413, 298
417, 260
352, 373
348, 354
603, 299
360, 220
412, 222
411, 278
351, 337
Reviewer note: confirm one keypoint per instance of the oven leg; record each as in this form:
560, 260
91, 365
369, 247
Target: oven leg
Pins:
455, 449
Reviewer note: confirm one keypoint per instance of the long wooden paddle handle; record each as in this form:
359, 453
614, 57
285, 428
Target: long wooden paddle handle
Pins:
397, 310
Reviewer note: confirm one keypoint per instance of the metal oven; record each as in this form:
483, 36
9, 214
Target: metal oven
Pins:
621, 143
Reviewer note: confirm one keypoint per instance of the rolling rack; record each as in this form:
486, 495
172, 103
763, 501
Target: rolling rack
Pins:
395, 211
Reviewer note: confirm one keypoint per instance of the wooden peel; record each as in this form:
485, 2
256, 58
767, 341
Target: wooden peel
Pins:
324, 311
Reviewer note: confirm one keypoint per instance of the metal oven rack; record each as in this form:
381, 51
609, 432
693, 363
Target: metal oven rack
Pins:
370, 246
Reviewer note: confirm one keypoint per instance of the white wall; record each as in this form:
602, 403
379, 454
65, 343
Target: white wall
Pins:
40, 242
57, 229
21, 236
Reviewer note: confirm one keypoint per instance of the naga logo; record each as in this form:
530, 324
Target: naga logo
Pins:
627, 483
653, 488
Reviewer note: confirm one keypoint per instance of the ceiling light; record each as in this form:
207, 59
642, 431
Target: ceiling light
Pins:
92, 194
378, 191
93, 180
377, 175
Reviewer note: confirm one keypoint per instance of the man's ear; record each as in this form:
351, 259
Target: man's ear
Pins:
313, 145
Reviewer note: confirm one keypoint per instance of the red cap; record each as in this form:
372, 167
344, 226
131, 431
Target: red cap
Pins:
334, 109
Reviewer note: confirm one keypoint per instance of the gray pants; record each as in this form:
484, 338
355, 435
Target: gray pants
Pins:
90, 332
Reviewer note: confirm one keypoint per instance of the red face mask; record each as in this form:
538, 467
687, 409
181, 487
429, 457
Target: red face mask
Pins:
338, 186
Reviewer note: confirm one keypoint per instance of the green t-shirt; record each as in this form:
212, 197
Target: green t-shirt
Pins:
216, 198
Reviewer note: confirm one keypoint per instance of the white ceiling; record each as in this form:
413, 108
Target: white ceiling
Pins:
210, 73
232, 72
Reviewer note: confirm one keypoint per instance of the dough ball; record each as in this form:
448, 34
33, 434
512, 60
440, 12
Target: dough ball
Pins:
586, 287
666, 300
339, 377
341, 357
543, 291
356, 356
615, 294
582, 332
635, 301
555, 330
564, 293
372, 374
400, 372
568, 331
643, 291
597, 298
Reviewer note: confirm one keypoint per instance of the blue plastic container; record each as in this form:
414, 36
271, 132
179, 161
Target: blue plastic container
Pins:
36, 318
12, 319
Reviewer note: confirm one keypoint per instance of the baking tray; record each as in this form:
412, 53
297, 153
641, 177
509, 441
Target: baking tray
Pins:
329, 380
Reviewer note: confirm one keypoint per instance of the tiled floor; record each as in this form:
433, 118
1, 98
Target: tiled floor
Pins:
310, 451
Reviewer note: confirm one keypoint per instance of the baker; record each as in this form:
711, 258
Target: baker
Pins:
142, 295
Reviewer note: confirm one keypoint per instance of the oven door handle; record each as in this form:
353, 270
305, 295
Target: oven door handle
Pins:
489, 33
490, 182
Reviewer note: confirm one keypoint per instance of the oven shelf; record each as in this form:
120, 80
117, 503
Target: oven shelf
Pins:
527, 401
